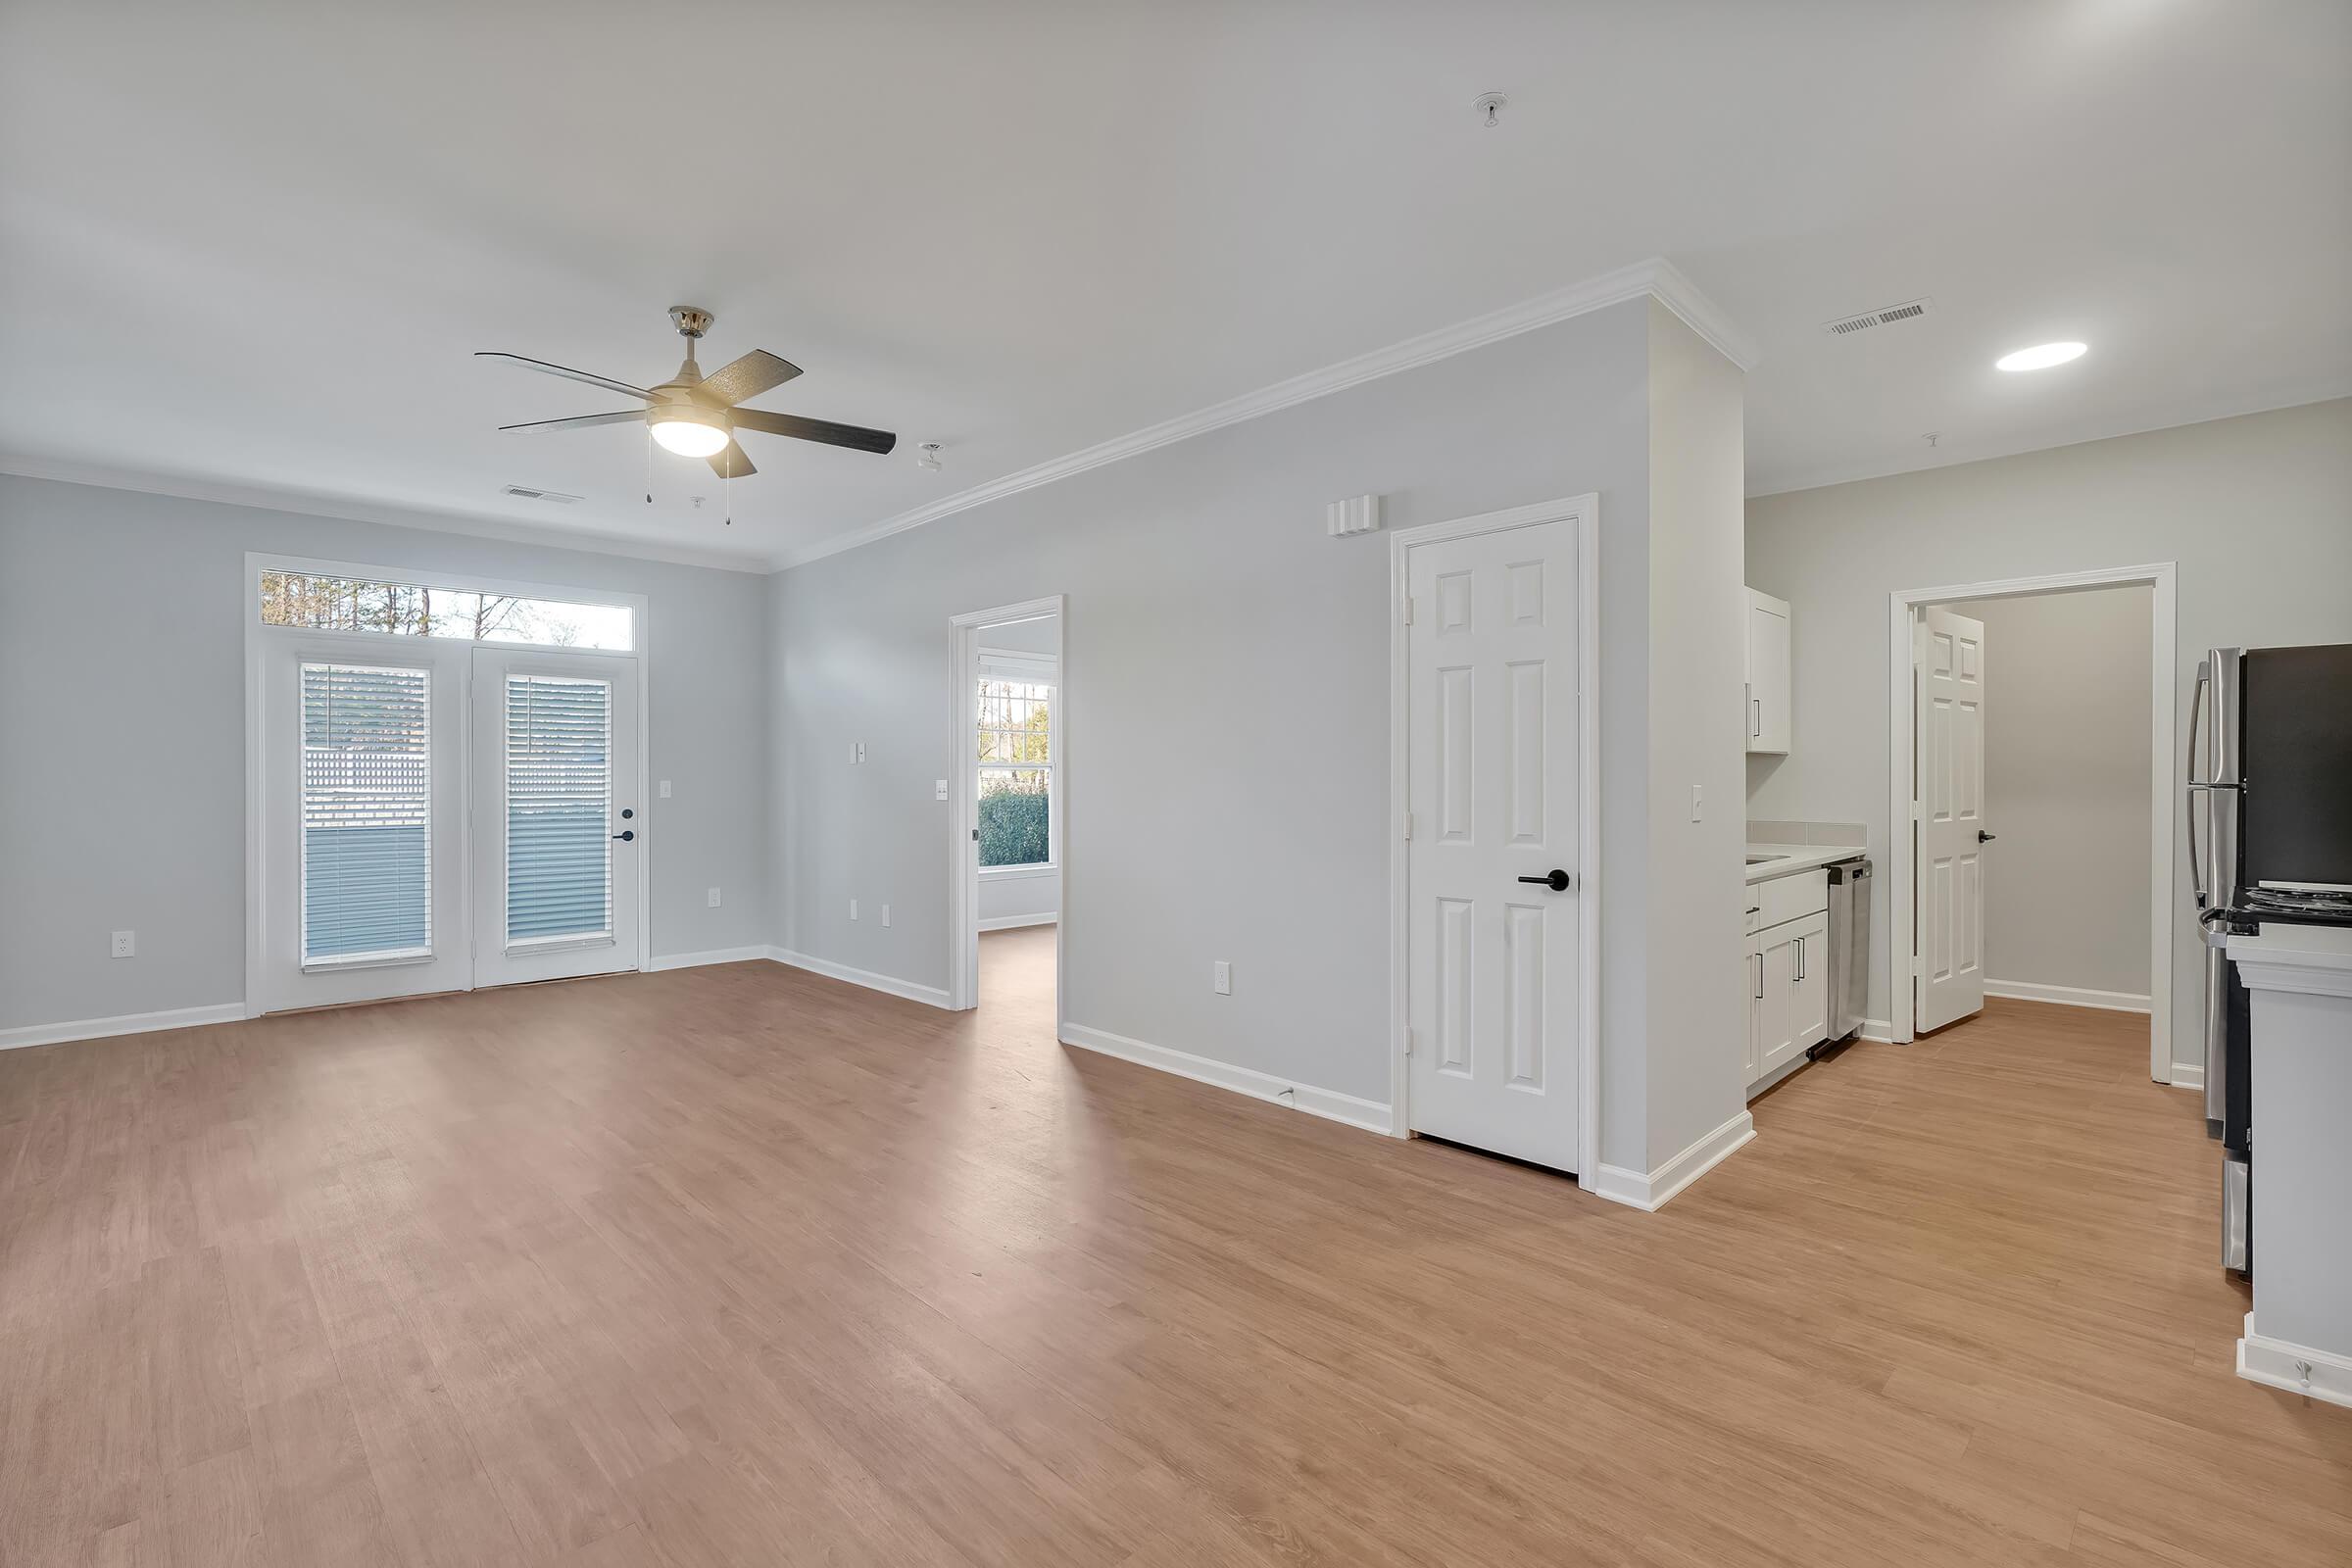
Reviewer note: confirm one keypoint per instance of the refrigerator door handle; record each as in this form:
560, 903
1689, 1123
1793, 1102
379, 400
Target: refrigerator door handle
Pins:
2188, 771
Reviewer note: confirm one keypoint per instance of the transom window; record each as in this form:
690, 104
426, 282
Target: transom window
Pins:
1016, 775
318, 602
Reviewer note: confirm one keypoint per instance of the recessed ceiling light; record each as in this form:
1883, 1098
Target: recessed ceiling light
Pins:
2042, 356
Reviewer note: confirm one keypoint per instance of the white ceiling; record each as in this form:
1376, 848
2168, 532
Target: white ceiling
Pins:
254, 245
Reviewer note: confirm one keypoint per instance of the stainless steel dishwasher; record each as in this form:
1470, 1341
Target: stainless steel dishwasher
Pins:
1849, 947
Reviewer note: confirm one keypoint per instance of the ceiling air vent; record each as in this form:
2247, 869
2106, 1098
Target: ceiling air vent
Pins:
1870, 318
523, 492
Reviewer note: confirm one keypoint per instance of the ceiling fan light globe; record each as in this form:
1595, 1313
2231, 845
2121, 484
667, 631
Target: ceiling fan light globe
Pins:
689, 437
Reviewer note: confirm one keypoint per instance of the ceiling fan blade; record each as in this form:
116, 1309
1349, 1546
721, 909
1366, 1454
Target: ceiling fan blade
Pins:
607, 383
838, 435
581, 422
747, 378
731, 461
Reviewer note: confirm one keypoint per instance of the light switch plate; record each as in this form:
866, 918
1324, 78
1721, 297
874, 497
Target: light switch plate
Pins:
885, 915
713, 898
666, 789
1697, 798
852, 909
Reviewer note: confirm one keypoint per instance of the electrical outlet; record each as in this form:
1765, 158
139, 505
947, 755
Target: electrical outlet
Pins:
125, 945
712, 898
852, 909
885, 915
666, 789
1222, 978
939, 791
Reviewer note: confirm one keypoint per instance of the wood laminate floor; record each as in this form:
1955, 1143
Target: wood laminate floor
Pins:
740, 1265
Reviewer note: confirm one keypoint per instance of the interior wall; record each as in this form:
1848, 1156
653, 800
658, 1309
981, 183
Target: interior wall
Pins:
1226, 706
2255, 510
123, 736
2066, 789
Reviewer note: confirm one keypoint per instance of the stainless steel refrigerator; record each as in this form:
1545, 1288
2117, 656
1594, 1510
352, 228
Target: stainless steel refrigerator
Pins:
2270, 841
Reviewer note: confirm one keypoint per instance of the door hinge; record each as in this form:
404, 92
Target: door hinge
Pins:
1408, 825
1408, 610
1408, 1042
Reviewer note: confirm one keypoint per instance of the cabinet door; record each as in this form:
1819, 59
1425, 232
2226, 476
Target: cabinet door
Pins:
1775, 1036
1809, 982
1768, 725
1752, 986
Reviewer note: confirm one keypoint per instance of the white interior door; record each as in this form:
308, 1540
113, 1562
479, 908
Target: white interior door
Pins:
361, 798
1951, 818
558, 831
1491, 769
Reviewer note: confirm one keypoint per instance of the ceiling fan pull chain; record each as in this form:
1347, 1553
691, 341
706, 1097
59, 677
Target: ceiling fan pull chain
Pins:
649, 465
730, 495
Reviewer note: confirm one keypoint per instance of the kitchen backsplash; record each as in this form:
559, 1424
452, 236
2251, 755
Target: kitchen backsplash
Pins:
1837, 834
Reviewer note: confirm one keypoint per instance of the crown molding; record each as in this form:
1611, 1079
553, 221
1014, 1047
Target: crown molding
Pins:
311, 504
1656, 277
2173, 417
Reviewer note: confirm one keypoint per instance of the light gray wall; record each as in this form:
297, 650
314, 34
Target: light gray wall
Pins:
2256, 512
2065, 788
122, 733
1695, 883
1226, 695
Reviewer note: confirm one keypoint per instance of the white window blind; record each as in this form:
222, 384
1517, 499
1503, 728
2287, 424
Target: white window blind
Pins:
559, 809
367, 814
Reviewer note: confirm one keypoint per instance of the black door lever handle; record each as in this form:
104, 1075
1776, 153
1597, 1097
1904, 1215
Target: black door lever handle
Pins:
1557, 881
626, 834
1984, 837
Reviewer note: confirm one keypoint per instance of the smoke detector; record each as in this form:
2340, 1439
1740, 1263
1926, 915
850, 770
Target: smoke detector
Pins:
927, 457
1887, 316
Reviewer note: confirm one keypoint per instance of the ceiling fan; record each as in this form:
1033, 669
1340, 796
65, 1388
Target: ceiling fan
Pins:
696, 416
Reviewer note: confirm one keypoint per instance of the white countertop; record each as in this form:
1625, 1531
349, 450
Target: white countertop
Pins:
2286, 957
1797, 857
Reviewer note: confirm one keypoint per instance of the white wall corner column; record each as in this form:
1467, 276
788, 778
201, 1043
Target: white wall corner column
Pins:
2299, 1335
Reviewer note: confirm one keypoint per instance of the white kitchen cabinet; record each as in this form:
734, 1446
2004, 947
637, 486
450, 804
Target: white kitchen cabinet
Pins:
1785, 969
1767, 638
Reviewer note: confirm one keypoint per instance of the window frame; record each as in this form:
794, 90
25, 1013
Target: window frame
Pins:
258, 564
1051, 682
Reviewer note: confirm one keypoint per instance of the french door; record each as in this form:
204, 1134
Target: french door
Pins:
435, 815
556, 833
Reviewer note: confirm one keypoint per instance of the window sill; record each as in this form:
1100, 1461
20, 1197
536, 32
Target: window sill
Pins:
1016, 874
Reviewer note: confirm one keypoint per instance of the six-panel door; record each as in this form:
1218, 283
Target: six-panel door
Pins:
1491, 770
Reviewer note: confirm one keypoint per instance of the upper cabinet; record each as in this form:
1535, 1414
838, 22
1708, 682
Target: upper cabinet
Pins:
1767, 674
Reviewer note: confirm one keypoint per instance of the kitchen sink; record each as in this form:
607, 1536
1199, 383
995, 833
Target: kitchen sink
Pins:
1759, 859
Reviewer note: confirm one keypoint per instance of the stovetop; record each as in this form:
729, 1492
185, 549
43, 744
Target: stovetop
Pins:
2308, 906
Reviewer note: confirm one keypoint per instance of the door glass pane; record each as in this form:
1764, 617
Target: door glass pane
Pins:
367, 814
559, 799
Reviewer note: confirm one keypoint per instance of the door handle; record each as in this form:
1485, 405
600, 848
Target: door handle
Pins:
1760, 958
626, 834
1557, 881
1984, 837
1800, 957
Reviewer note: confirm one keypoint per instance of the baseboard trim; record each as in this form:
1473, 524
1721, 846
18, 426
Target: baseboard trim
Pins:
2188, 1075
891, 985
2067, 996
1651, 1193
1328, 1104
2296, 1368
124, 1023
695, 960
1005, 922
1880, 1030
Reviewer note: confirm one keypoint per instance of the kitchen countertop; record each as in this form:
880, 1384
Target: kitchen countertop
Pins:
1799, 858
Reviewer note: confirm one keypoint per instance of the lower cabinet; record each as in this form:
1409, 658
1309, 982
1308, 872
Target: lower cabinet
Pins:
1787, 992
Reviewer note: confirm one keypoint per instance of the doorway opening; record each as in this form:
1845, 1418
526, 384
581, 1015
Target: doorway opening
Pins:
1008, 834
2032, 857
